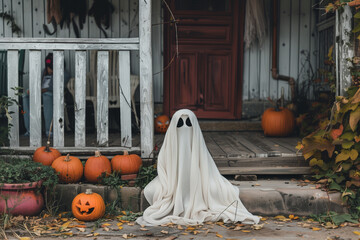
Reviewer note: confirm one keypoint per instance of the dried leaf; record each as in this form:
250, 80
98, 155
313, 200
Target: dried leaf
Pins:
81, 229
80, 226
344, 155
164, 232
170, 238
25, 238
237, 228
257, 226
316, 229
144, 229
356, 232
106, 229
180, 227
354, 119
65, 225
335, 133
127, 236
219, 236
67, 233
354, 154
105, 225
246, 231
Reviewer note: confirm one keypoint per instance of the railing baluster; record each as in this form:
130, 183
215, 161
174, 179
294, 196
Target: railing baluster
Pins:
125, 98
146, 80
80, 94
35, 97
102, 98
13, 81
58, 98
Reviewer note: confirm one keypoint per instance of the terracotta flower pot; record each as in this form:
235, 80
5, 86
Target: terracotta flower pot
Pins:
21, 198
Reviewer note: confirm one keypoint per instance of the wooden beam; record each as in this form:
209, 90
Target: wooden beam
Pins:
35, 97
102, 98
58, 98
146, 79
13, 82
346, 50
70, 43
80, 99
125, 98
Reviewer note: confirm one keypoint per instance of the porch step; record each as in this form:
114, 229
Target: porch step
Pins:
265, 170
263, 197
223, 126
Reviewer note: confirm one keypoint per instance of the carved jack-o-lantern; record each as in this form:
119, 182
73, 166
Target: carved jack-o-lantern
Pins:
162, 123
88, 206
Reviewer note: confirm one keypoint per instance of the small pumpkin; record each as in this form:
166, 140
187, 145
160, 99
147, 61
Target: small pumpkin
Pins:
126, 164
162, 123
278, 122
95, 166
46, 155
88, 206
69, 168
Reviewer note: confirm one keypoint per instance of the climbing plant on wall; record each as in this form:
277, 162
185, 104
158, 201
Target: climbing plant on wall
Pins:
333, 150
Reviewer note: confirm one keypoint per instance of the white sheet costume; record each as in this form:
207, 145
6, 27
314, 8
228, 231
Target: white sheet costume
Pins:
189, 188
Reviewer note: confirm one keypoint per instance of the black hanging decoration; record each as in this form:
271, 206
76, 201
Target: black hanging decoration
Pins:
101, 10
70, 9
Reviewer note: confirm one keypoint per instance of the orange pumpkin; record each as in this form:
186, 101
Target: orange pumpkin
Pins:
46, 155
162, 123
95, 166
278, 122
88, 206
69, 168
126, 164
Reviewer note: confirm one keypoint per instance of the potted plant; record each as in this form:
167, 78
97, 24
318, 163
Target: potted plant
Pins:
21, 181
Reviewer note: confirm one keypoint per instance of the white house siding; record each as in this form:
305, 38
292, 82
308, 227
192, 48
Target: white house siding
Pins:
296, 32
30, 15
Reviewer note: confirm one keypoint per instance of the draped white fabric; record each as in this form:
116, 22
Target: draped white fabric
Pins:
255, 22
189, 188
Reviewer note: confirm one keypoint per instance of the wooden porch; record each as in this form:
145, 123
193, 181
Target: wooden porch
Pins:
242, 152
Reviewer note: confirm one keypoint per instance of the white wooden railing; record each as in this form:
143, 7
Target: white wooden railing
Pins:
58, 45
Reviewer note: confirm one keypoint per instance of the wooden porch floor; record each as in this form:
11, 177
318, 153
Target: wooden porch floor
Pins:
245, 152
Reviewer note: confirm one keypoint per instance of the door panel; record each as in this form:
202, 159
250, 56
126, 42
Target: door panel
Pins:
205, 75
217, 88
185, 91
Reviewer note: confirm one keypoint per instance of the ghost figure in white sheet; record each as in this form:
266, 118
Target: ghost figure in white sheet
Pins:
189, 188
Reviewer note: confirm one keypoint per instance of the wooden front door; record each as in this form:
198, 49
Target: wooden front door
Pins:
206, 75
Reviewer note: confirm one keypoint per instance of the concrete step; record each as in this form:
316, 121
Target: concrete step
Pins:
264, 198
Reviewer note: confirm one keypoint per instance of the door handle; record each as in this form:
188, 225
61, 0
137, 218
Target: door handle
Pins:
201, 99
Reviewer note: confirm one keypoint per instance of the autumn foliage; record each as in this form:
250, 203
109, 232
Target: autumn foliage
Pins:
333, 151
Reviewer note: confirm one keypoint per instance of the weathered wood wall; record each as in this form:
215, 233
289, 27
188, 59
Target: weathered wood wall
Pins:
297, 33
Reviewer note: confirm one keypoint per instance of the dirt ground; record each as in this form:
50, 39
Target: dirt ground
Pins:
280, 227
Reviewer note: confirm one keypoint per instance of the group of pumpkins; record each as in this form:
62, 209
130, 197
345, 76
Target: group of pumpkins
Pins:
86, 206
70, 169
